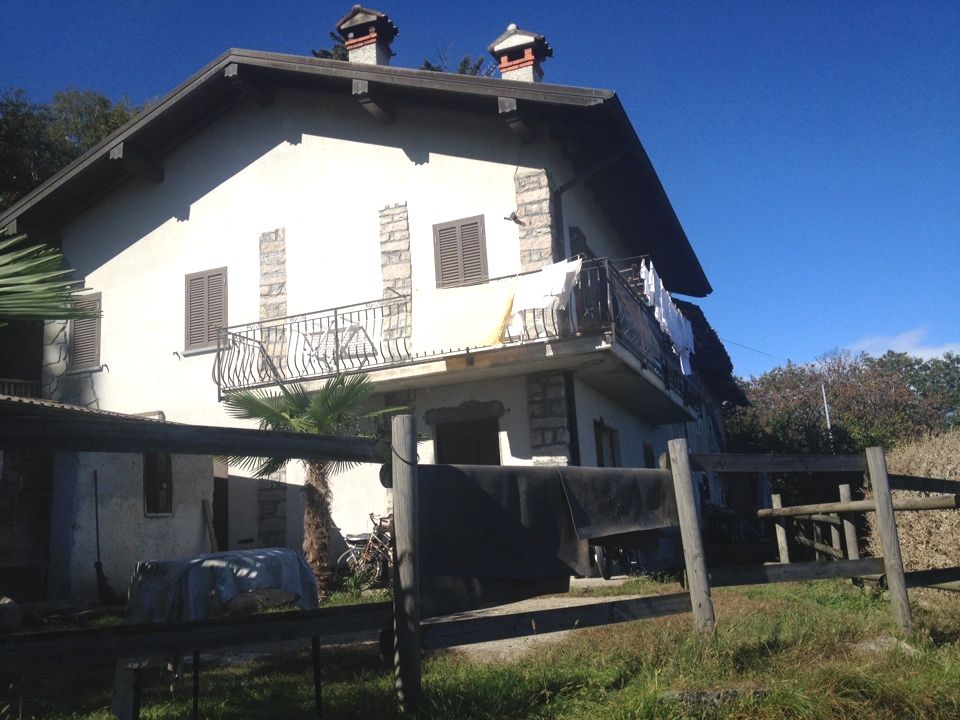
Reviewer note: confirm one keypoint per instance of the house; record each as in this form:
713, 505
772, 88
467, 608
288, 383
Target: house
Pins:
279, 218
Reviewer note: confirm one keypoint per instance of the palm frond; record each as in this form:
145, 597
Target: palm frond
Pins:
33, 284
272, 411
334, 409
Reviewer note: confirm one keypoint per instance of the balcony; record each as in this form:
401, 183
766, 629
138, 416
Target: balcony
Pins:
19, 388
606, 312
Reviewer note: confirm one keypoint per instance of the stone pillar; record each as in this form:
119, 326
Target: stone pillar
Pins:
273, 295
549, 420
538, 245
75, 388
397, 285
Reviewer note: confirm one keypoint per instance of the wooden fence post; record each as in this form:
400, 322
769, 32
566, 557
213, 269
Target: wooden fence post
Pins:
887, 526
687, 508
849, 528
782, 546
406, 563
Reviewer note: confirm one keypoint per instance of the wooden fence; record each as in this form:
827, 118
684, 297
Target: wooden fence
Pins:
411, 634
843, 548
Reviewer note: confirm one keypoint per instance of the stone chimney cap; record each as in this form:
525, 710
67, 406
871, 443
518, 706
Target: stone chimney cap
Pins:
361, 18
515, 38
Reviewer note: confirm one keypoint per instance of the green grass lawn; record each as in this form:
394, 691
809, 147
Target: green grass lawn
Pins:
803, 650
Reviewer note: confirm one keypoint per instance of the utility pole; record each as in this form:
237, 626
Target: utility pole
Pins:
826, 411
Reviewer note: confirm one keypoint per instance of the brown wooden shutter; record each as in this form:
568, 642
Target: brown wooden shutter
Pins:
205, 305
460, 252
85, 335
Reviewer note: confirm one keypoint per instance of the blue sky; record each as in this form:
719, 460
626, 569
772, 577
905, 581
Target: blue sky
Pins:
811, 149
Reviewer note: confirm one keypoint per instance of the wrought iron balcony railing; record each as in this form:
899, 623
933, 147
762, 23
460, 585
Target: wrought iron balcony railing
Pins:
378, 334
19, 388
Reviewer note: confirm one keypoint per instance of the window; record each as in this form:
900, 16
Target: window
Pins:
468, 442
157, 484
85, 335
460, 252
608, 444
206, 308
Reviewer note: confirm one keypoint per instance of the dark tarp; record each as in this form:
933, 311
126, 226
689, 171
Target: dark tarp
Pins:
495, 534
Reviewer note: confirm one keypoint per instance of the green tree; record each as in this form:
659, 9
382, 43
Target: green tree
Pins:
34, 284
37, 140
467, 65
338, 51
870, 404
937, 380
337, 408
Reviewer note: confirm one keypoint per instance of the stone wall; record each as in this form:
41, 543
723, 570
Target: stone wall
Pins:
549, 422
539, 244
396, 273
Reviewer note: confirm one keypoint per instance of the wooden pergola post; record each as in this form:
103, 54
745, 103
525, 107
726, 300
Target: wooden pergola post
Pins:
849, 528
698, 583
890, 541
406, 565
781, 525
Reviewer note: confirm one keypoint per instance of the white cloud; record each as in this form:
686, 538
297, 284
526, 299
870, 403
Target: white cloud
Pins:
912, 342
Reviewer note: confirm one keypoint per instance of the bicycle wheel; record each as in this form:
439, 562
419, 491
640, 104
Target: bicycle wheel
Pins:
369, 569
346, 564
602, 560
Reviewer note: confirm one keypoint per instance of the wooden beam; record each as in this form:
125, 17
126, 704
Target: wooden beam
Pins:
595, 167
923, 484
889, 540
943, 578
136, 162
443, 633
783, 549
935, 502
512, 116
793, 572
820, 547
371, 99
746, 462
688, 508
254, 88
406, 563
65, 646
849, 528
87, 433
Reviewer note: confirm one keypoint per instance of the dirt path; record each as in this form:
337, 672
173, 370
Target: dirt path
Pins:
517, 648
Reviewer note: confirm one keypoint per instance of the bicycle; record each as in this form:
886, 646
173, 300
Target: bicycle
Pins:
369, 557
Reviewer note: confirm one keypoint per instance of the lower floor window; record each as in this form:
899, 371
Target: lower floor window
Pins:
157, 484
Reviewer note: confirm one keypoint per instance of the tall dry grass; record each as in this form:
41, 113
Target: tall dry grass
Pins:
928, 539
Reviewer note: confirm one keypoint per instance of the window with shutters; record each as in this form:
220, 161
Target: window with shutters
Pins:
460, 252
85, 335
206, 308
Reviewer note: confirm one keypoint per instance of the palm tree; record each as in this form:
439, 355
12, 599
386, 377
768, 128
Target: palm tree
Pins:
33, 286
334, 409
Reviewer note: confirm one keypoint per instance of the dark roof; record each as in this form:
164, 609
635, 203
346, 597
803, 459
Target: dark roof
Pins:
591, 126
710, 358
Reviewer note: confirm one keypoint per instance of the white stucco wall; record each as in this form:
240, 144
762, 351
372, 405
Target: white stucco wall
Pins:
321, 168
127, 536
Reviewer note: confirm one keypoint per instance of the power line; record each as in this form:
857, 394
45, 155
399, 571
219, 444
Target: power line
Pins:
747, 347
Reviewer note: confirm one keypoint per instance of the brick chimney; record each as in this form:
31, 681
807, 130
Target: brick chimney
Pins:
519, 54
367, 35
